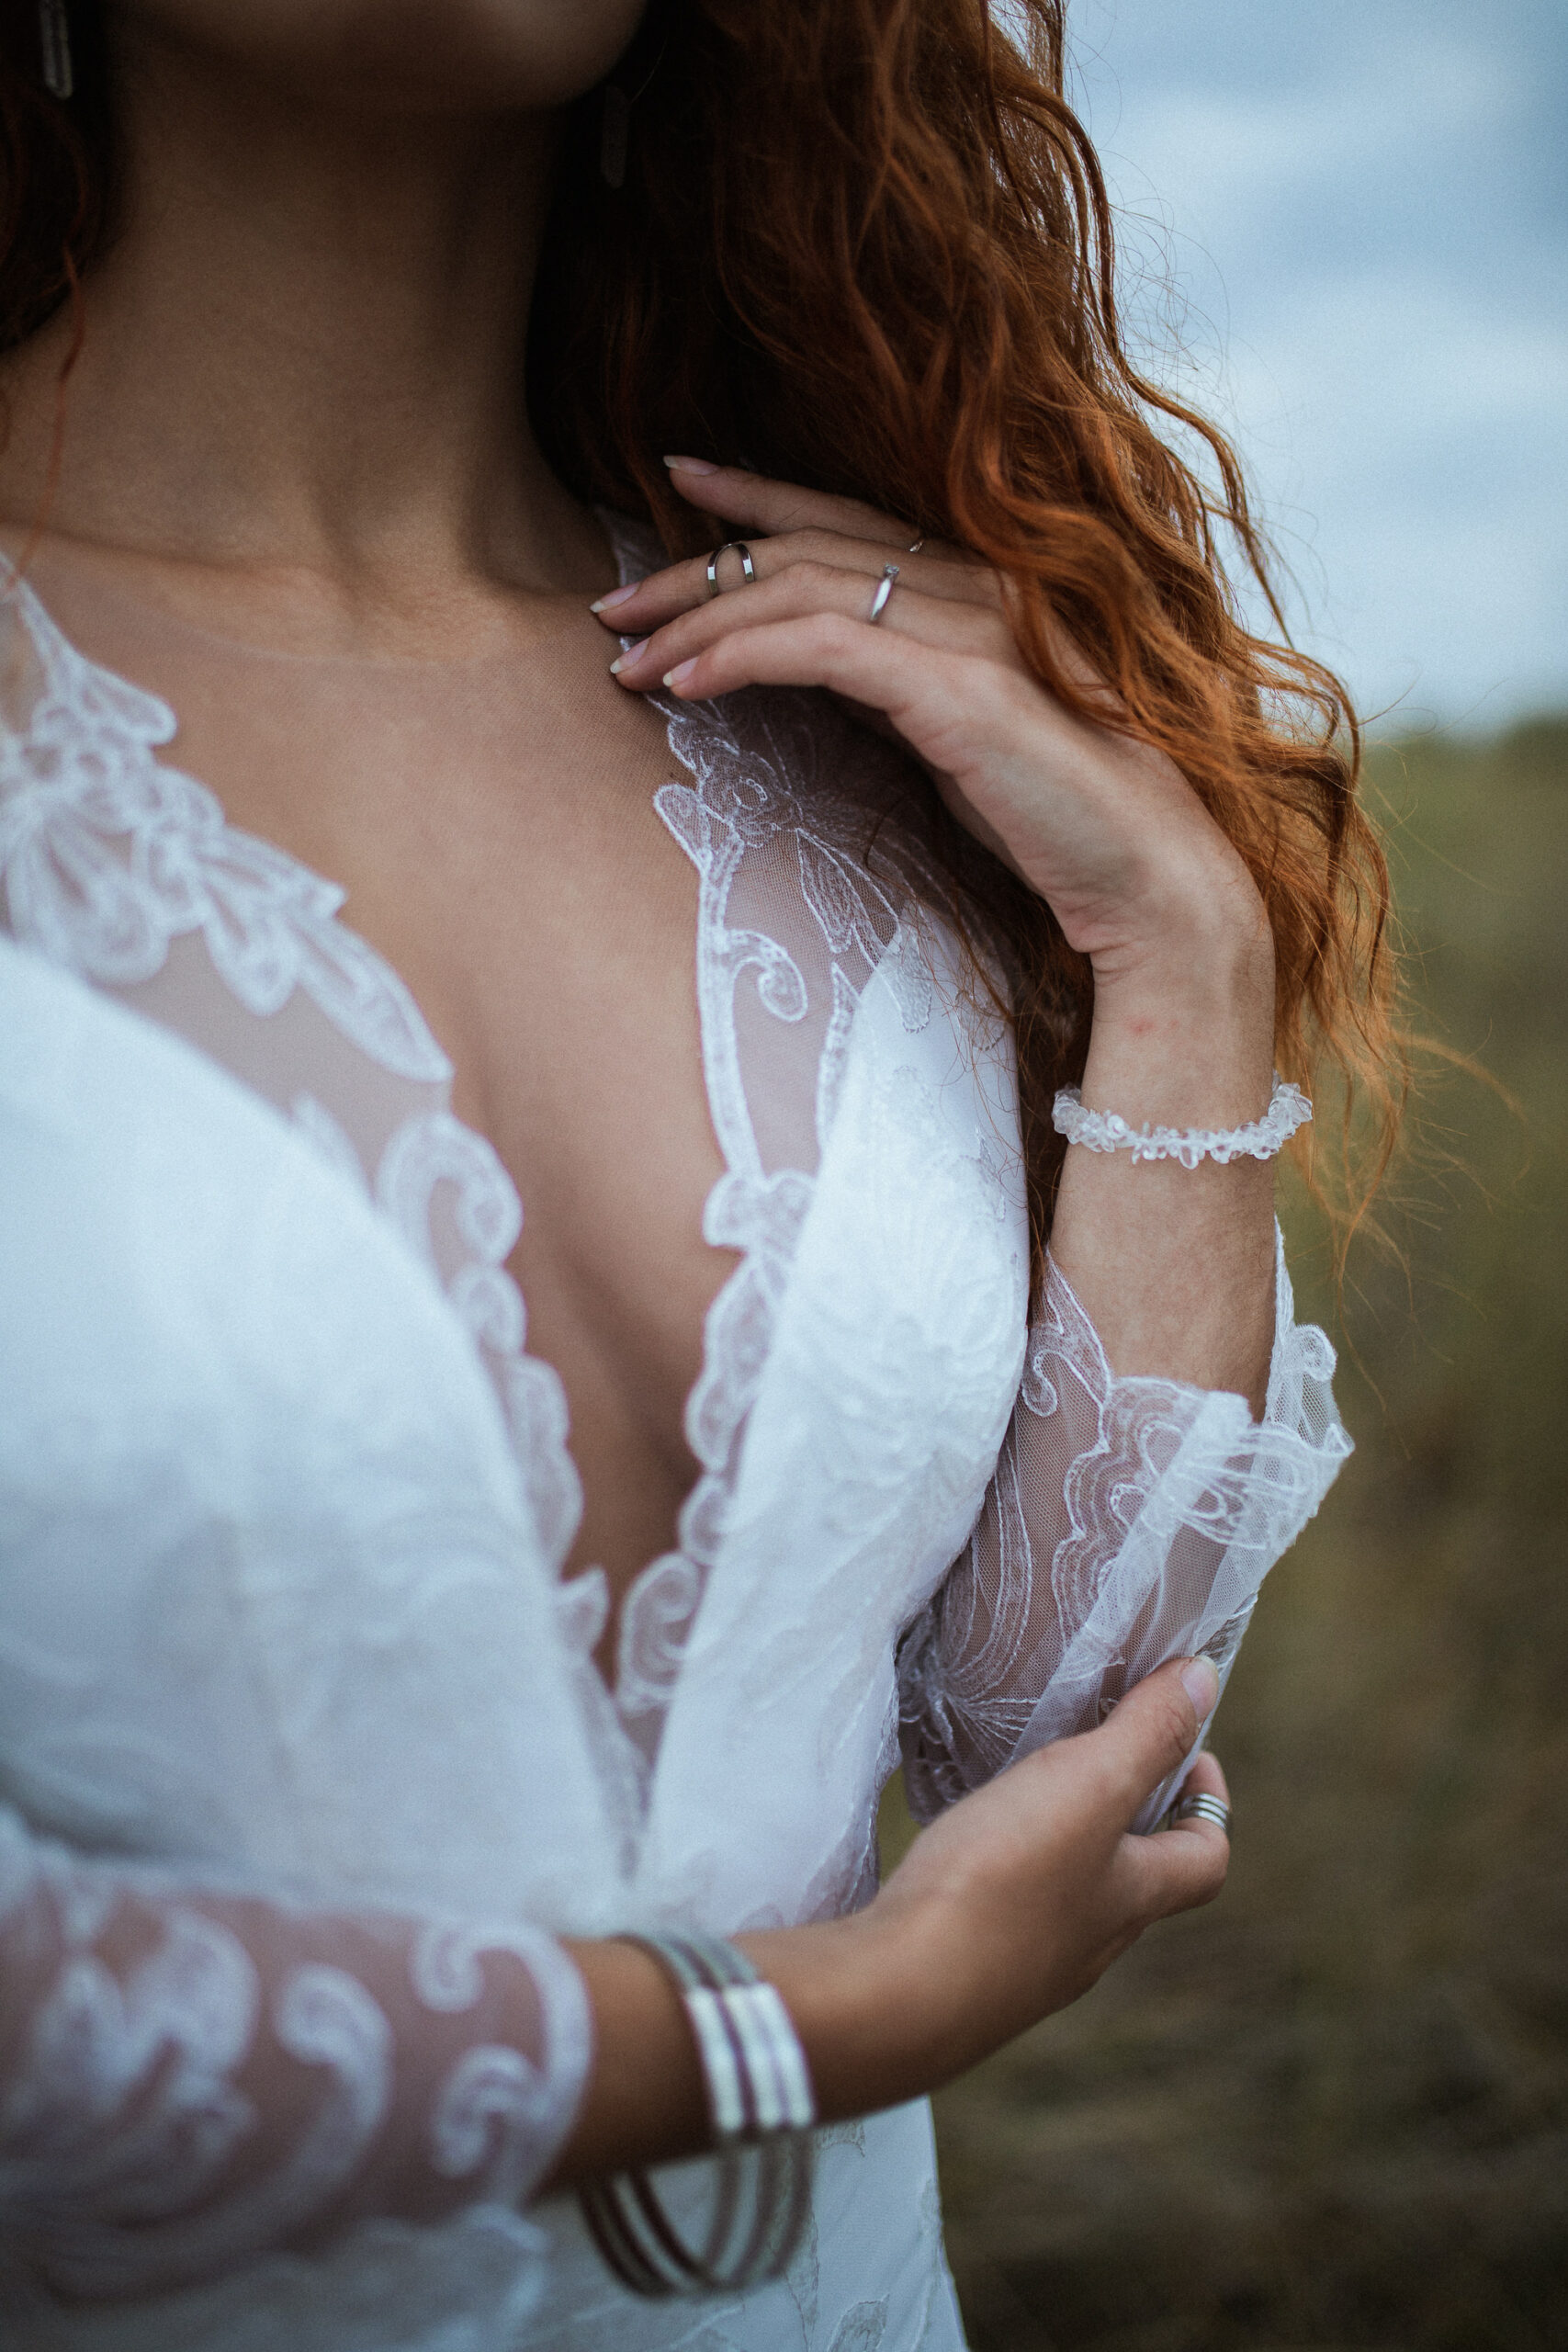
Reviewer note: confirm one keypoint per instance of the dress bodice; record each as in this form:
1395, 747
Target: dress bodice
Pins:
285, 1498
873, 1191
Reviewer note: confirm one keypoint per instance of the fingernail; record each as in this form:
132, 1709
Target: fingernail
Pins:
1200, 1680
690, 466
616, 596
678, 676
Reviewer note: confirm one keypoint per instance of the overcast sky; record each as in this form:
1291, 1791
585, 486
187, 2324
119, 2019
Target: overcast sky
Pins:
1365, 207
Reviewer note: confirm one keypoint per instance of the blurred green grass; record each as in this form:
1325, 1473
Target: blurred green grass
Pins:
1333, 2110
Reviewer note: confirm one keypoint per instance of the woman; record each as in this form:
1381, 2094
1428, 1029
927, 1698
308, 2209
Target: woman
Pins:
345, 1728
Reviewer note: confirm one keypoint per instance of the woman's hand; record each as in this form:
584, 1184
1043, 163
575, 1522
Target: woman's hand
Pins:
1175, 1267
1006, 1909
1017, 1900
1106, 829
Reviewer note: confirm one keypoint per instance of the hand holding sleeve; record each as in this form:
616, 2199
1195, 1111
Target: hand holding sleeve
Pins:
1130, 1521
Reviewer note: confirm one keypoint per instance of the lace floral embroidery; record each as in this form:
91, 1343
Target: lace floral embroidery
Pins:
130, 2160
1129, 1520
109, 857
761, 779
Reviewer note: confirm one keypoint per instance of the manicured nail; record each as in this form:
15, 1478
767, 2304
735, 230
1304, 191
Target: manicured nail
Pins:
616, 596
1200, 1680
678, 676
690, 466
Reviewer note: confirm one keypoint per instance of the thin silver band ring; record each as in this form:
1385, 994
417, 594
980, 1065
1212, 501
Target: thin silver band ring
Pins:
731, 547
915, 546
1204, 1808
884, 589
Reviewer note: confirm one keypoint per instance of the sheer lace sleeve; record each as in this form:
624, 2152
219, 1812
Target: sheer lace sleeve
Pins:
1129, 1521
190, 2079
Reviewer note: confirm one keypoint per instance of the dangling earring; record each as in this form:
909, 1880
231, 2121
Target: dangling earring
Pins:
615, 133
54, 48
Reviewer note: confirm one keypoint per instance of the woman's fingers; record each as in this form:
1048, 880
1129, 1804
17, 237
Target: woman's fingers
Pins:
815, 649
782, 523
681, 587
1185, 1865
940, 701
1178, 1870
805, 588
1153, 1731
1019, 1896
1206, 1779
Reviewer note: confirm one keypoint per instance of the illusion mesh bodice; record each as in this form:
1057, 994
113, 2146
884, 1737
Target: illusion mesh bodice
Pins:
304, 1753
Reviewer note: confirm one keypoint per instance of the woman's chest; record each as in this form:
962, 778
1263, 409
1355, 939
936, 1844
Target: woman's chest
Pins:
496, 838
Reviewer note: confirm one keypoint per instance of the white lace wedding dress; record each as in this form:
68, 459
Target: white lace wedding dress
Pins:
303, 1753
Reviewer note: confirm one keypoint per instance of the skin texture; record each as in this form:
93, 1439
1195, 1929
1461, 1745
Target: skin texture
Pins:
296, 421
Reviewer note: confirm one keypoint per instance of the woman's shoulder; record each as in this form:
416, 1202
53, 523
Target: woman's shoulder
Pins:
54, 702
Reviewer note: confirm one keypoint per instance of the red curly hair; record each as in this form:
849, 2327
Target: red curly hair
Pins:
865, 245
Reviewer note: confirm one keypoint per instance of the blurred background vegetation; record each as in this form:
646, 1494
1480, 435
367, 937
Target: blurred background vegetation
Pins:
1333, 2110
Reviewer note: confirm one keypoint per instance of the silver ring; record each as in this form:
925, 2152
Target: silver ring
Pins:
915, 546
1204, 1808
731, 547
884, 589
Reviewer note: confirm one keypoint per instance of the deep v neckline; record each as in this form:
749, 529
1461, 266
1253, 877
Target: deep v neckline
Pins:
377, 1009
114, 862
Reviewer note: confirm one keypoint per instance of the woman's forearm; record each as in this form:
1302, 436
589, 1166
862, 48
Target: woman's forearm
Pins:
1174, 1266
646, 2102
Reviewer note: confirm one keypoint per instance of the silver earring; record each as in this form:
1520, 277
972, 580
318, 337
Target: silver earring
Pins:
614, 134
54, 48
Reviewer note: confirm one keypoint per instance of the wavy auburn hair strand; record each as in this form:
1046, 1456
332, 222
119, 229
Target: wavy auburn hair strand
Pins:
865, 245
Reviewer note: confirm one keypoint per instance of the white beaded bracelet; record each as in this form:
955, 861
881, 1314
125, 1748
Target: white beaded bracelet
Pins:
1107, 1131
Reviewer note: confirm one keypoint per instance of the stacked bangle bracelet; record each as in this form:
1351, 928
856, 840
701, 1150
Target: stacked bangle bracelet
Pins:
761, 2107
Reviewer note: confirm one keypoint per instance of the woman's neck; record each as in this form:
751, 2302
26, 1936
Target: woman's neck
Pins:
302, 358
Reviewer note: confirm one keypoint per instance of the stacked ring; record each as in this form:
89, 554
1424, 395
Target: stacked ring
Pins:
1204, 1808
731, 547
